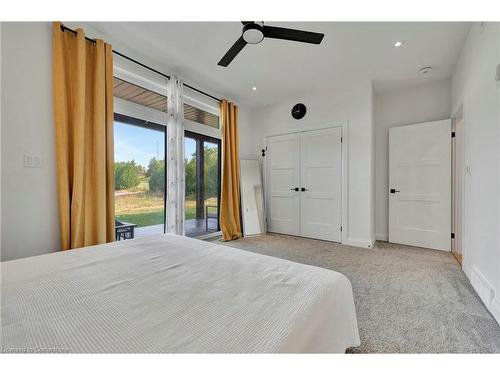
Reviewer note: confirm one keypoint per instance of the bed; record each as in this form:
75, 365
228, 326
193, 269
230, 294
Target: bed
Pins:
172, 294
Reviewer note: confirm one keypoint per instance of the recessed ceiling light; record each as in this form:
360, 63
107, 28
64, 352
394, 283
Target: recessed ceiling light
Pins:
254, 88
398, 44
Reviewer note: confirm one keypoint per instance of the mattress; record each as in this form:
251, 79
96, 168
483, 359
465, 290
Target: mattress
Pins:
172, 294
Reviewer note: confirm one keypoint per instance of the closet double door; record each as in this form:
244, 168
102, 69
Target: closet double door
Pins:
304, 184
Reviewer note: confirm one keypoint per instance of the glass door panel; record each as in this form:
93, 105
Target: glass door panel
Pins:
190, 171
139, 177
202, 165
212, 183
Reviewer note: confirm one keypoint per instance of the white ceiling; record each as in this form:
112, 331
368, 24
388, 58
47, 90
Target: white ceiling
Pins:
279, 69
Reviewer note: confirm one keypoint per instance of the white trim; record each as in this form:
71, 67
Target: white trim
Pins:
345, 199
481, 285
344, 234
359, 242
495, 309
158, 86
198, 102
196, 127
466, 197
382, 237
127, 108
305, 128
456, 154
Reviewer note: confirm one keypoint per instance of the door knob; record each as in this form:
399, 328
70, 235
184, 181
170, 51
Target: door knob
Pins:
303, 189
295, 189
394, 191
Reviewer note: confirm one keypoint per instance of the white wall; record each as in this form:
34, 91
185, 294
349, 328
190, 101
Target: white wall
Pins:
1, 26
247, 135
401, 107
351, 105
474, 89
30, 221
29, 208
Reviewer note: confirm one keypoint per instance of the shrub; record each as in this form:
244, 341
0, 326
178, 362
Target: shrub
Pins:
211, 172
126, 175
190, 172
156, 174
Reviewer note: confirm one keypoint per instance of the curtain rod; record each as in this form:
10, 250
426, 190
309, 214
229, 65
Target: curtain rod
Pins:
65, 28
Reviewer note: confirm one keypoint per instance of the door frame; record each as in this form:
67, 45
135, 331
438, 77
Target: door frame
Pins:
205, 138
145, 124
459, 114
344, 164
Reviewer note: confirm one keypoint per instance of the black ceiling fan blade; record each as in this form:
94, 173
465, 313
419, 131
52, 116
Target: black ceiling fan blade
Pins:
233, 51
292, 34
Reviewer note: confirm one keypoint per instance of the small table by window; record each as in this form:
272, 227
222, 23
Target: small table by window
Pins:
123, 230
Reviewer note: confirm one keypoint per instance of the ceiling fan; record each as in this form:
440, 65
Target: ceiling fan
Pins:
255, 32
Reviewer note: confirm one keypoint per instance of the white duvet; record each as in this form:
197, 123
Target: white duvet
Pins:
171, 294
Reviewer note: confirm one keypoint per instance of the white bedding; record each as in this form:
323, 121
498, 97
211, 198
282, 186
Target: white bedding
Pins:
169, 294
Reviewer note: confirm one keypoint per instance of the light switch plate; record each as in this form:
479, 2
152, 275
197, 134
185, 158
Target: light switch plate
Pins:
37, 161
32, 161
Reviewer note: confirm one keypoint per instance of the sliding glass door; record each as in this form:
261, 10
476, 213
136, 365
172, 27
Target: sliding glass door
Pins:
202, 165
140, 161
139, 177
140, 180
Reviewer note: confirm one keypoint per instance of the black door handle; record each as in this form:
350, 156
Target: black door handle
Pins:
393, 191
303, 189
295, 189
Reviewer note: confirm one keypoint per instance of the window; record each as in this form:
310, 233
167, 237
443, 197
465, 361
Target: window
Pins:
139, 95
140, 142
202, 166
200, 116
139, 177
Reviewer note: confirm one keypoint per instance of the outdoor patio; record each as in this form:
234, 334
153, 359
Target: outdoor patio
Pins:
193, 228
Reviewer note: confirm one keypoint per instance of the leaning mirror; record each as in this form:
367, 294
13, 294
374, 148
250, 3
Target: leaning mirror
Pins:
252, 198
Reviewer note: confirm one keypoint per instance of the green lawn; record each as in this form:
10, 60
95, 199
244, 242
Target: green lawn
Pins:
144, 208
143, 219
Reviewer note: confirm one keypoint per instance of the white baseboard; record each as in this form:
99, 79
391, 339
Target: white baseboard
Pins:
495, 309
382, 237
359, 242
481, 285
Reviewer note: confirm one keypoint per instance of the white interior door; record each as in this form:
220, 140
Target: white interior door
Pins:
420, 185
321, 184
283, 184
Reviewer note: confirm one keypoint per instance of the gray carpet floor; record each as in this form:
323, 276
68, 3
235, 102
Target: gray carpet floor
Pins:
408, 300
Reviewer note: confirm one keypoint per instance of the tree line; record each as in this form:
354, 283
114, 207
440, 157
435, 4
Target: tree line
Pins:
128, 173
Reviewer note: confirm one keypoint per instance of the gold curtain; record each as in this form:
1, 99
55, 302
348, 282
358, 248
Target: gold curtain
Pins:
230, 222
83, 116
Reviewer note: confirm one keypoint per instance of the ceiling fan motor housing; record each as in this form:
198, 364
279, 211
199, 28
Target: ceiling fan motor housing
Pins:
253, 33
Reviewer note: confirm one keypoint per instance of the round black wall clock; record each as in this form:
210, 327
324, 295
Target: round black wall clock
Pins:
298, 111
